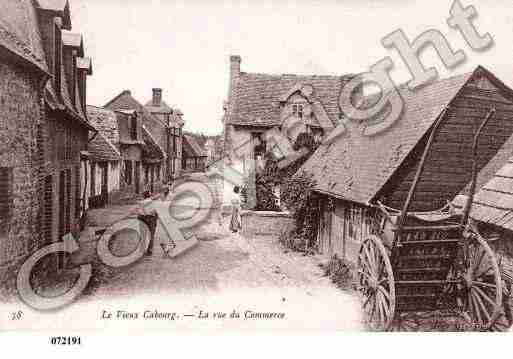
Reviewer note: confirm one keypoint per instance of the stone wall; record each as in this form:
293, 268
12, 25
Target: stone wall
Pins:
20, 108
63, 140
260, 223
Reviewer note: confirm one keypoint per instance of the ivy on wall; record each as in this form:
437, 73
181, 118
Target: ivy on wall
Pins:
305, 207
297, 195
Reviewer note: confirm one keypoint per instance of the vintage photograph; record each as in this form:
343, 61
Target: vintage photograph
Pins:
240, 166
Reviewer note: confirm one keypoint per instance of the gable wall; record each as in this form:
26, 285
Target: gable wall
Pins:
448, 166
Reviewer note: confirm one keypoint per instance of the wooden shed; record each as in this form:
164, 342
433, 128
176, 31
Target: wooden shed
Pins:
357, 172
492, 207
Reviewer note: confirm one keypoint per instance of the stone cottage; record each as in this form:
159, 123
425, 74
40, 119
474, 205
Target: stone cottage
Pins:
124, 130
267, 112
104, 171
154, 126
44, 129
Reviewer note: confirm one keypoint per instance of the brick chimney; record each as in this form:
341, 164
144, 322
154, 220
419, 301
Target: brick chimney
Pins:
235, 61
157, 96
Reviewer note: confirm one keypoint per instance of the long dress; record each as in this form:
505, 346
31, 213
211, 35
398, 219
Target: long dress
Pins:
235, 222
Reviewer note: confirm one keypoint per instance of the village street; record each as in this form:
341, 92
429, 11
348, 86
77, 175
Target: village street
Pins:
226, 271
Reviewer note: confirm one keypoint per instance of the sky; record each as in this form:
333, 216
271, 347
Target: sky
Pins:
184, 46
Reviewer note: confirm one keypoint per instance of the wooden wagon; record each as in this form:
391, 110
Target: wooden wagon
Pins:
430, 261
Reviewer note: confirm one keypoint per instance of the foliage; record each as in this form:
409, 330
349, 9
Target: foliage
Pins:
305, 139
263, 188
271, 177
303, 203
340, 272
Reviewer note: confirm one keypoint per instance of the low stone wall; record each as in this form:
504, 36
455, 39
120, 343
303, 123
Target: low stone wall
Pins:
261, 223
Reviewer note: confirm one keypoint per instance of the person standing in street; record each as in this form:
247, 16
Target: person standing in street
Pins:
235, 221
147, 214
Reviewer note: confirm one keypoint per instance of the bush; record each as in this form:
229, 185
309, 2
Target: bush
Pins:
303, 203
263, 188
305, 140
340, 272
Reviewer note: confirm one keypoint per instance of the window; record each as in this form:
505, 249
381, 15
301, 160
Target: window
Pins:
297, 110
158, 172
128, 172
6, 198
259, 143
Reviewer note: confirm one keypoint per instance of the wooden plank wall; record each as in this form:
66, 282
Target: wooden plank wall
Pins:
343, 229
448, 166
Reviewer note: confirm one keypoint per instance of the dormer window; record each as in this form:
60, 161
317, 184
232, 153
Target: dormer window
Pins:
297, 110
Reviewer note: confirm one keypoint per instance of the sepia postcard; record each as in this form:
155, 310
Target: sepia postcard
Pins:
174, 166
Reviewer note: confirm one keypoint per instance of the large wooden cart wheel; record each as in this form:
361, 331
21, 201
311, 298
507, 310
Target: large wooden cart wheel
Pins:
376, 283
483, 284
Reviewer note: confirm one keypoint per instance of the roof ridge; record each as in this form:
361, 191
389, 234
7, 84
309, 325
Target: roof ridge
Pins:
333, 76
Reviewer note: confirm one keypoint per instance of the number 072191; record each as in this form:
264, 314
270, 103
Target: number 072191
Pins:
65, 341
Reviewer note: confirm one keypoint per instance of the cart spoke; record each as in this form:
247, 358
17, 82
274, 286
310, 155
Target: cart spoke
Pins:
477, 263
483, 294
384, 292
484, 284
377, 280
477, 309
486, 272
369, 259
386, 309
483, 307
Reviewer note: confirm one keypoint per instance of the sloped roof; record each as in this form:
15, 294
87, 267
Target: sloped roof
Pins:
19, 32
151, 148
163, 108
64, 102
355, 166
105, 121
191, 147
493, 201
125, 101
200, 138
101, 149
256, 97
59, 6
